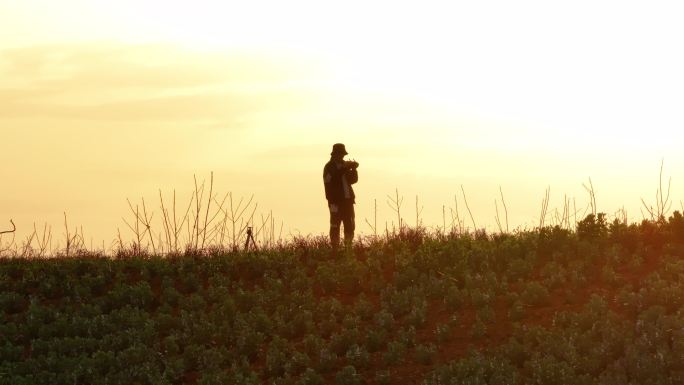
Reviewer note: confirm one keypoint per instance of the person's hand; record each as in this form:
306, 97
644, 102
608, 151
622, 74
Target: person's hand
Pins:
333, 207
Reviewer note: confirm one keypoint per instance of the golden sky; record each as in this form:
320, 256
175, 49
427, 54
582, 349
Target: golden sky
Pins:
102, 101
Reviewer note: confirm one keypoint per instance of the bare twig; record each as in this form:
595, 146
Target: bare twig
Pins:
503, 201
592, 196
374, 226
419, 211
44, 241
467, 207
147, 222
27, 244
166, 223
456, 217
14, 228
663, 203
206, 214
395, 205
496, 217
496, 207
544, 208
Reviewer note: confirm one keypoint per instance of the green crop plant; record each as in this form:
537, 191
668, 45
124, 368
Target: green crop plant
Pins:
530, 306
310, 377
383, 377
376, 339
425, 354
327, 360
443, 333
479, 329
358, 356
348, 376
395, 353
535, 294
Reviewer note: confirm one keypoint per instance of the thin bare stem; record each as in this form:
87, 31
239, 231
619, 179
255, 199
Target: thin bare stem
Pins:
206, 214
68, 238
166, 222
592, 196
147, 222
544, 208
496, 217
503, 201
468, 208
419, 211
395, 204
14, 228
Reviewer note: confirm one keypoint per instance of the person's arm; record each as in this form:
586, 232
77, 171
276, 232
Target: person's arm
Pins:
351, 171
352, 176
328, 177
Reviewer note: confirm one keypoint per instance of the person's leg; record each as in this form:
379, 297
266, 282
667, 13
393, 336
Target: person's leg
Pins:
349, 223
335, 220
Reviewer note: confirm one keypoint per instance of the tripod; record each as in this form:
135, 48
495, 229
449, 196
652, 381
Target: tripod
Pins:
250, 238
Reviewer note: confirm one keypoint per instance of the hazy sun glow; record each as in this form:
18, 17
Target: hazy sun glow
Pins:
103, 100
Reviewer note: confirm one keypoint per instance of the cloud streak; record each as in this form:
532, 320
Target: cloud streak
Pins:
144, 84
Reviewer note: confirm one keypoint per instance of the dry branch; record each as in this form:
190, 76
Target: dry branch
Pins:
467, 207
14, 228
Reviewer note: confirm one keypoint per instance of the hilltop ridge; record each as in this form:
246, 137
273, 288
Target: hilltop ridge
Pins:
602, 303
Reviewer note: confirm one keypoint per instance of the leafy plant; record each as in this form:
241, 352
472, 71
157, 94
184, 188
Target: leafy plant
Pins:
358, 356
425, 354
535, 294
347, 376
395, 353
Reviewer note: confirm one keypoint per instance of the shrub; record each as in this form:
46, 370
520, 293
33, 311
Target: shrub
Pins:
407, 336
310, 377
326, 278
341, 342
417, 315
348, 376
479, 329
383, 377
327, 360
517, 311
480, 298
358, 356
455, 298
376, 339
248, 342
592, 227
299, 362
486, 314
11, 302
535, 294
385, 320
443, 333
277, 357
313, 344
363, 308
213, 377
425, 354
395, 353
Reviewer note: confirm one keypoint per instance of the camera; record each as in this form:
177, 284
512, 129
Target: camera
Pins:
351, 164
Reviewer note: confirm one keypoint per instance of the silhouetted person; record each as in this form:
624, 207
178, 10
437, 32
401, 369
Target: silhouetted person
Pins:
338, 176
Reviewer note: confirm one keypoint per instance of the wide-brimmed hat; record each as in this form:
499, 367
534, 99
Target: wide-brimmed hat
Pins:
338, 148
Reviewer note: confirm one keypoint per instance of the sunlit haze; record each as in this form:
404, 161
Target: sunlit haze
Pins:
101, 101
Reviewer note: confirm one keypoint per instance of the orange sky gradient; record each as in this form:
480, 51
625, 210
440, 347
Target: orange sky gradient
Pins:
102, 101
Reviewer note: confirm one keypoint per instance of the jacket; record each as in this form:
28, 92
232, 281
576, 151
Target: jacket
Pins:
337, 179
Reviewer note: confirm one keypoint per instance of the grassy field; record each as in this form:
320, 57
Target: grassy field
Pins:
602, 304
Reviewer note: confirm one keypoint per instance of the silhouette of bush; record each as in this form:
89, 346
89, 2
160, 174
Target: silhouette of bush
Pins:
535, 294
